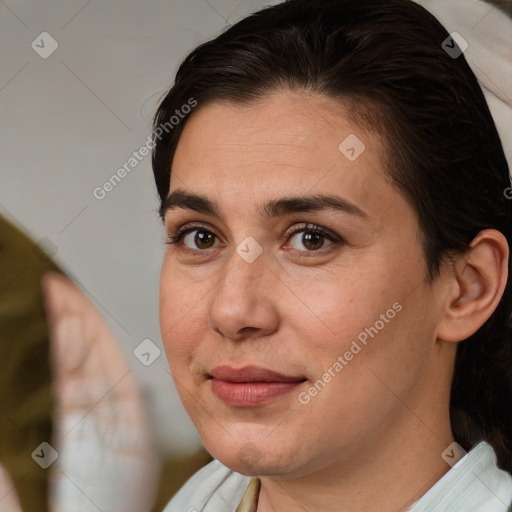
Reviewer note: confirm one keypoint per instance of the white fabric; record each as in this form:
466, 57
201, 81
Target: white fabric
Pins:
488, 32
474, 484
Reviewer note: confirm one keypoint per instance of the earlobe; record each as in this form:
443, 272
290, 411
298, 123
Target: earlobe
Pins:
479, 279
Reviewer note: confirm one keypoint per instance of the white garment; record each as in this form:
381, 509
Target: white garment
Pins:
474, 484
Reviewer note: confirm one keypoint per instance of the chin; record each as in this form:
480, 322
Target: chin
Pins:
255, 459
248, 466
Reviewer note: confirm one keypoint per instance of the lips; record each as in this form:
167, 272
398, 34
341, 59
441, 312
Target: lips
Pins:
250, 374
251, 386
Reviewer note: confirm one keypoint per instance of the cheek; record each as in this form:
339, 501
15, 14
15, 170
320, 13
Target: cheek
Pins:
384, 352
332, 309
182, 318
369, 318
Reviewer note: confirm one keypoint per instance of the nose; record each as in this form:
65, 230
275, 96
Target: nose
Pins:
244, 304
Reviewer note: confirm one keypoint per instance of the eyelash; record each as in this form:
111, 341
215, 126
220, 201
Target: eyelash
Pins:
176, 237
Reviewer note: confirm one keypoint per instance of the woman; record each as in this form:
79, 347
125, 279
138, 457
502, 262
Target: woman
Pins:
334, 297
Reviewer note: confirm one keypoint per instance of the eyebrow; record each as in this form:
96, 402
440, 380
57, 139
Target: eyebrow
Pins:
180, 198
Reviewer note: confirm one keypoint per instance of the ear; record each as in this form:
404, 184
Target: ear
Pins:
476, 286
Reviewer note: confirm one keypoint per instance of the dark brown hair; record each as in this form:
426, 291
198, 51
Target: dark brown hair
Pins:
385, 62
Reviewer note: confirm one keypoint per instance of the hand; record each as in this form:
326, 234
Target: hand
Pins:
106, 460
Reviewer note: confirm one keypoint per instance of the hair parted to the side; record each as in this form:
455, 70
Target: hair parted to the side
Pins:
383, 60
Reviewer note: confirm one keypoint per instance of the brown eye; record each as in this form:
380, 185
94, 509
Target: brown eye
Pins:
203, 239
195, 238
311, 239
199, 239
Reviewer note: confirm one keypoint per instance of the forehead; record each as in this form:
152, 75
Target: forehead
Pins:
286, 143
286, 126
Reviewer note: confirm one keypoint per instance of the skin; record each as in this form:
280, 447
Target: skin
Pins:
376, 431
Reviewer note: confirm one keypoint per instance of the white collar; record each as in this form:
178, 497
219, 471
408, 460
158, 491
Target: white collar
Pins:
473, 484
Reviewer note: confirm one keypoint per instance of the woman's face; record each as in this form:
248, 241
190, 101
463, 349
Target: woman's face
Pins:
291, 348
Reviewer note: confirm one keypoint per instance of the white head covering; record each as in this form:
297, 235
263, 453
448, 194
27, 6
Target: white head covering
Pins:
488, 32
